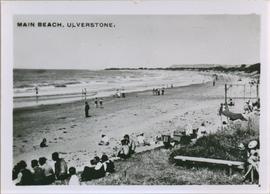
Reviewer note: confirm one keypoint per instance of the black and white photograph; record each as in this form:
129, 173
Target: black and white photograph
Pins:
136, 99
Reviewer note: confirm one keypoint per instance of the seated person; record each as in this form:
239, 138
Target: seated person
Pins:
104, 140
108, 164
231, 103
38, 173
202, 131
43, 143
194, 133
48, 171
89, 171
141, 140
73, 177
99, 168
130, 143
124, 150
25, 177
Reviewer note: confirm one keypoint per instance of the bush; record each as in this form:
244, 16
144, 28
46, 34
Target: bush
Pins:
221, 145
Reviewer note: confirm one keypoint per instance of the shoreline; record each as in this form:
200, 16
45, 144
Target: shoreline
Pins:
91, 99
71, 93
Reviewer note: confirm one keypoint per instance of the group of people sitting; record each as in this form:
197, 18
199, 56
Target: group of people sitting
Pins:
252, 106
42, 173
127, 148
158, 91
185, 135
99, 167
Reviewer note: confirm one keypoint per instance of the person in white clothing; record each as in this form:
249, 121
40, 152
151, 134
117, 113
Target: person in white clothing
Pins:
74, 180
202, 131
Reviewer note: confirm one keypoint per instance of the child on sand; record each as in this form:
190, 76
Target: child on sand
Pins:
74, 180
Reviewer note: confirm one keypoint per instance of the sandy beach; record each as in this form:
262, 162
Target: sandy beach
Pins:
76, 138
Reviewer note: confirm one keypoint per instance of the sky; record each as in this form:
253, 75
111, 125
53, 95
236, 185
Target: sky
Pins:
137, 41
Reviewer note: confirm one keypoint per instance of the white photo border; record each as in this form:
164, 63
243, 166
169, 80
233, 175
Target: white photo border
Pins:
154, 7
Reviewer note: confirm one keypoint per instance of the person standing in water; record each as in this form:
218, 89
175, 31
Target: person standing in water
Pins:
86, 109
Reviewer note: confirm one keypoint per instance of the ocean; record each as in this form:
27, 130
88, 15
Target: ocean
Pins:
60, 86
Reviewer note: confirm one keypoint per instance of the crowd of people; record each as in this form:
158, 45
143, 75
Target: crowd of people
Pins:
42, 173
158, 91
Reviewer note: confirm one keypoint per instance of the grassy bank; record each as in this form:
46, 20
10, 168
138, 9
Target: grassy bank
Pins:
222, 144
156, 167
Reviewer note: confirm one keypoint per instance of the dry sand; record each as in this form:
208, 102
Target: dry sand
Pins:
76, 138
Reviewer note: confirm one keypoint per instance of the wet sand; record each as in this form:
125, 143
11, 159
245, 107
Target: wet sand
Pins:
76, 138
